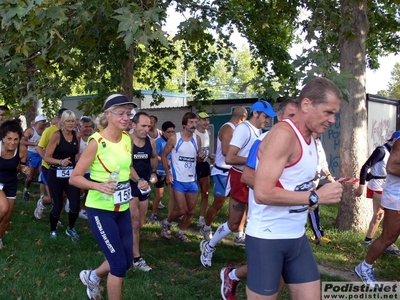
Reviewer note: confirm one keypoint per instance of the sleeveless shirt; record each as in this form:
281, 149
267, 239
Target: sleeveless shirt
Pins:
277, 222
8, 167
109, 155
205, 142
183, 159
141, 159
34, 138
66, 149
219, 157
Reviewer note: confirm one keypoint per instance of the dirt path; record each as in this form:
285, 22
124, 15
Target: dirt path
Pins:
346, 275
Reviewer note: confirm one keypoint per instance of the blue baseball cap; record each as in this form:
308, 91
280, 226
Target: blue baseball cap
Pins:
263, 106
395, 135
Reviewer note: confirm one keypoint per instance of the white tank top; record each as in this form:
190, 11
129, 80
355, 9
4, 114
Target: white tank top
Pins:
155, 138
205, 142
82, 146
243, 137
379, 169
34, 138
391, 193
219, 157
277, 222
183, 159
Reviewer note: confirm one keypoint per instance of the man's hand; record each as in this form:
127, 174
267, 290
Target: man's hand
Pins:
360, 190
330, 193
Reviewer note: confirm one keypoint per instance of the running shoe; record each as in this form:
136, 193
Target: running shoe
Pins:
38, 213
25, 195
228, 286
160, 205
154, 218
324, 240
206, 253
241, 241
368, 243
392, 250
53, 235
72, 234
141, 265
201, 222
83, 214
206, 232
92, 289
182, 237
367, 276
165, 229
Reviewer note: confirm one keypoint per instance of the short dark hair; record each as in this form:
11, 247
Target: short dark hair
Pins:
155, 118
60, 112
285, 102
136, 118
166, 125
3, 107
187, 116
10, 126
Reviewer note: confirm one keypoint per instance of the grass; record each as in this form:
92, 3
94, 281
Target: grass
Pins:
35, 267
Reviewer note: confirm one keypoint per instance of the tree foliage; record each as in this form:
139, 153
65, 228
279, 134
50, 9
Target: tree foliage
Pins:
48, 46
393, 90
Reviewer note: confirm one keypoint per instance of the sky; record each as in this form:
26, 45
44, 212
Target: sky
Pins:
376, 80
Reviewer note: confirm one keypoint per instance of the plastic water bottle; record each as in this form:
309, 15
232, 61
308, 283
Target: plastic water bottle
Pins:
113, 176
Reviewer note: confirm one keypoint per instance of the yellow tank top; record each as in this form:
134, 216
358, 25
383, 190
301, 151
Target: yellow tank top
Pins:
109, 155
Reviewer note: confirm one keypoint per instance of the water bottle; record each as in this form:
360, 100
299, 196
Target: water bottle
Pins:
113, 176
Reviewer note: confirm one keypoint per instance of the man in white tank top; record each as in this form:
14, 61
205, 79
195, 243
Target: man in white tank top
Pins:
391, 222
31, 139
230, 277
185, 152
286, 166
203, 169
87, 129
242, 139
220, 169
375, 168
154, 132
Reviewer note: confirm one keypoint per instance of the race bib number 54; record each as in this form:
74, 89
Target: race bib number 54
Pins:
64, 172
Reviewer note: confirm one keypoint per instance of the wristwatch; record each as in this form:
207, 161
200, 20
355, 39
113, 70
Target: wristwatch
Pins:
313, 198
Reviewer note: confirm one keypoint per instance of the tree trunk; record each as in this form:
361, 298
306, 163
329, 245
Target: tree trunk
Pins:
354, 212
31, 111
127, 71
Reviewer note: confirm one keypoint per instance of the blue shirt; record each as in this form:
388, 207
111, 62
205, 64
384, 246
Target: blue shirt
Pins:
160, 145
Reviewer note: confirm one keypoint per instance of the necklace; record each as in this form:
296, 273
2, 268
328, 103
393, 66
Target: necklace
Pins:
68, 138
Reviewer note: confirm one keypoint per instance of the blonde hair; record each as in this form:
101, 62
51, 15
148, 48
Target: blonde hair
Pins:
101, 121
67, 115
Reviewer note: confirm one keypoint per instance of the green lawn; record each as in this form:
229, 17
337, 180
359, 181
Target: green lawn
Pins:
35, 267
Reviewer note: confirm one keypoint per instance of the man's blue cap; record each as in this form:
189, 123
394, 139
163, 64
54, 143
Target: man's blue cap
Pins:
395, 135
263, 106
